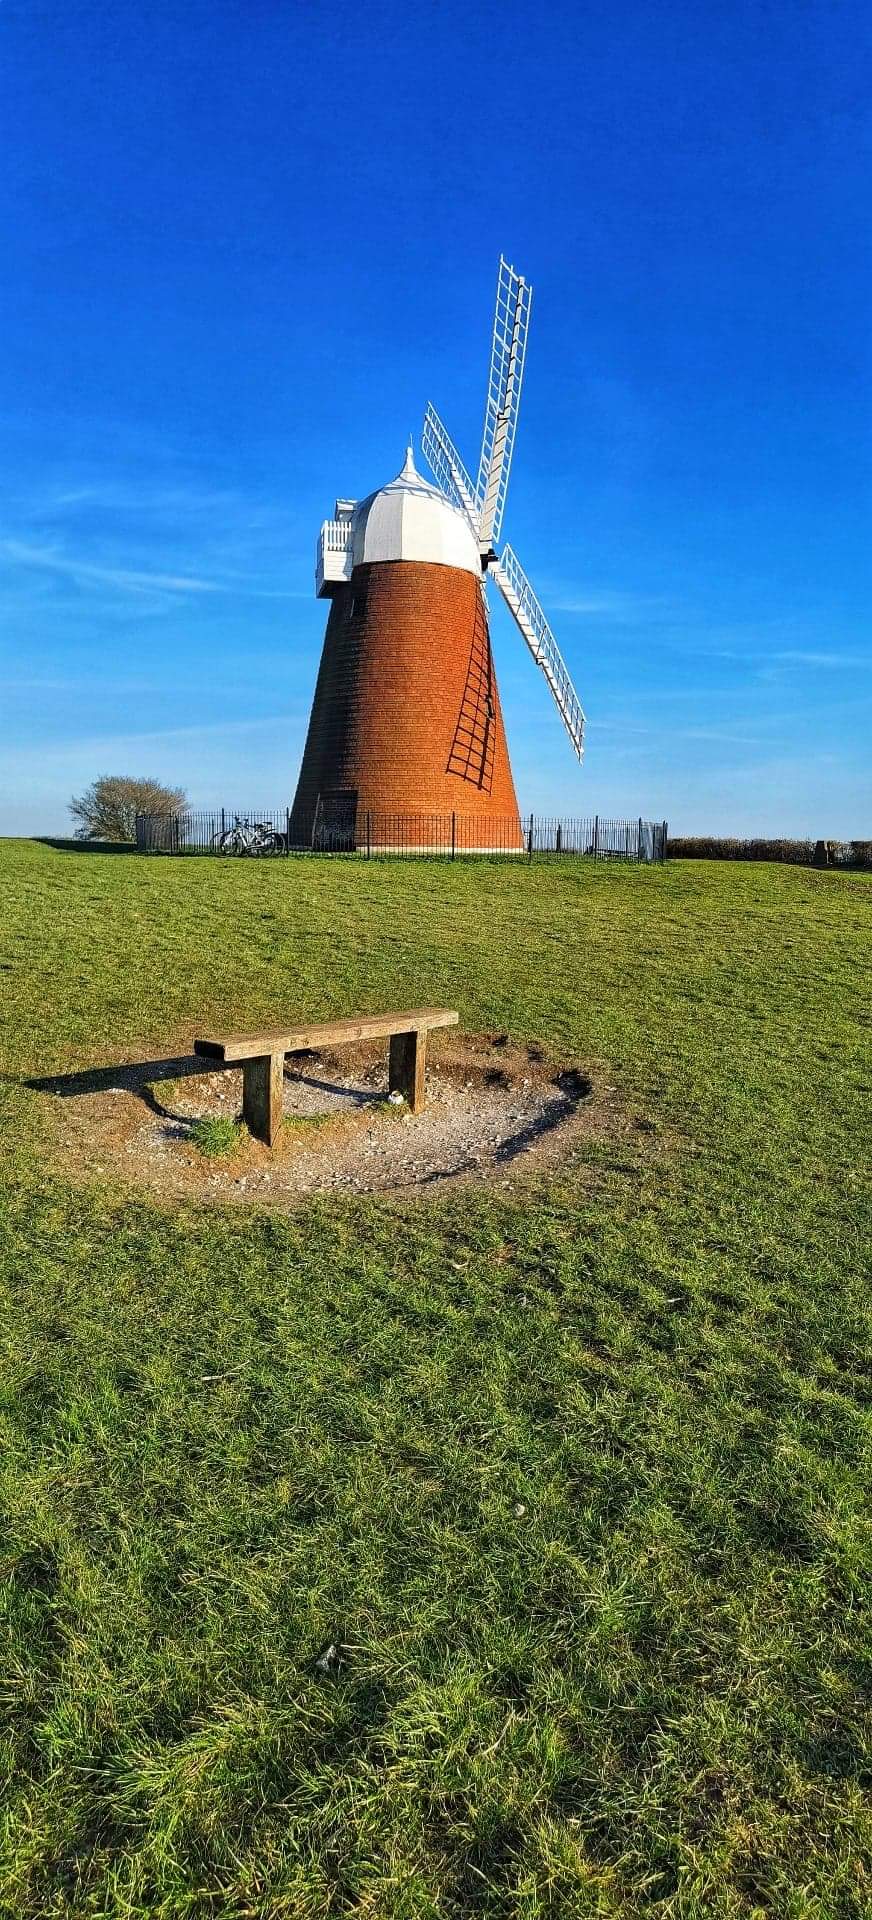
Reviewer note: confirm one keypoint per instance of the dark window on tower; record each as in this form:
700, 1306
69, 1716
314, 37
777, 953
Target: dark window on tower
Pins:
358, 604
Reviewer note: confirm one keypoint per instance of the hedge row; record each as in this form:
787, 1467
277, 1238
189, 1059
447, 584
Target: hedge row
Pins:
798, 853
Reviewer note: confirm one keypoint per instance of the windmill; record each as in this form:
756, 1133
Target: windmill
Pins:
484, 502
406, 724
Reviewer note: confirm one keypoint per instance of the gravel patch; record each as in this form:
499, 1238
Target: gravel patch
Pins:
342, 1130
490, 1109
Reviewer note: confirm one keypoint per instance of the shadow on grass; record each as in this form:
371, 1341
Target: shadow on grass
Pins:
571, 1089
85, 846
358, 1096
139, 1078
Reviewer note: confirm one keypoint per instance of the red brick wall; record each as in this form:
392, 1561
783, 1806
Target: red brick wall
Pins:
401, 702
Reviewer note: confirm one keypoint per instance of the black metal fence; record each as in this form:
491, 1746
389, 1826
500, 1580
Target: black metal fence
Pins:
268, 833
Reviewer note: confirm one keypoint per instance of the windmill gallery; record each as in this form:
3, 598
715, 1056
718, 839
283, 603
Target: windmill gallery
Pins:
406, 717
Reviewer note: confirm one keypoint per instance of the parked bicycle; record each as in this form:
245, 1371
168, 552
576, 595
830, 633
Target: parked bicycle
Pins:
248, 836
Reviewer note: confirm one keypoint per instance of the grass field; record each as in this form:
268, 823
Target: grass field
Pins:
574, 1479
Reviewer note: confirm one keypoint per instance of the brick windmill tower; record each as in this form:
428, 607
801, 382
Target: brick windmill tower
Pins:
406, 730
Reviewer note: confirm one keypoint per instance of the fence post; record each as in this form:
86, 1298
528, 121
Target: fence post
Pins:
639, 849
368, 834
665, 841
596, 837
530, 840
287, 832
559, 836
453, 834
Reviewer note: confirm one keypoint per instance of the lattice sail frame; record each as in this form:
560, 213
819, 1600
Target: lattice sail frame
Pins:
484, 502
508, 353
530, 618
448, 469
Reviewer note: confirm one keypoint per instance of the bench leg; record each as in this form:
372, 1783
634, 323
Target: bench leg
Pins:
262, 1096
407, 1065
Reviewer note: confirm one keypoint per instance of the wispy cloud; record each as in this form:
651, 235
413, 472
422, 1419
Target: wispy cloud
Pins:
145, 538
79, 748
725, 735
241, 760
133, 579
762, 658
786, 666
812, 657
608, 604
112, 494
129, 579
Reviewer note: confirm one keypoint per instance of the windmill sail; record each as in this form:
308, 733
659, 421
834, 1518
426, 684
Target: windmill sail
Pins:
483, 502
448, 469
526, 611
508, 350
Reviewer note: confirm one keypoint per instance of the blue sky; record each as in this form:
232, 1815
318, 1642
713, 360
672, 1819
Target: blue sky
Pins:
243, 246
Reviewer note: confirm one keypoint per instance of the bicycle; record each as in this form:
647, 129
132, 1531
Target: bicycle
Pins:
247, 837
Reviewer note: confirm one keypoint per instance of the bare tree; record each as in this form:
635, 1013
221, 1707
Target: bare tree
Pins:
108, 808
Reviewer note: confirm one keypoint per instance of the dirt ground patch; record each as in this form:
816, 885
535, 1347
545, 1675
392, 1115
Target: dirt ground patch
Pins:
493, 1110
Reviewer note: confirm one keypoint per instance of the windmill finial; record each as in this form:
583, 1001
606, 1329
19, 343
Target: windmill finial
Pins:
409, 468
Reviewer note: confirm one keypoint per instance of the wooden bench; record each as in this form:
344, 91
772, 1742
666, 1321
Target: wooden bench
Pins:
262, 1057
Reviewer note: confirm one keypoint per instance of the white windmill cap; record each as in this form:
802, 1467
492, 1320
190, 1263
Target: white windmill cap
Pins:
411, 520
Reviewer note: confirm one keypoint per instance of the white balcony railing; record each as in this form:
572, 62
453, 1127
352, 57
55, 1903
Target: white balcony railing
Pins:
335, 535
333, 555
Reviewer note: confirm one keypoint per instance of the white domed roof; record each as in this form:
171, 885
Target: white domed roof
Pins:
410, 520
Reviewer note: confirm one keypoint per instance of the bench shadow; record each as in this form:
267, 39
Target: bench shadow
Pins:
358, 1096
139, 1077
569, 1090
135, 1077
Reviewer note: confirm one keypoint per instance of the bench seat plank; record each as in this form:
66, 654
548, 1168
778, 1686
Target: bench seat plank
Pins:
377, 1026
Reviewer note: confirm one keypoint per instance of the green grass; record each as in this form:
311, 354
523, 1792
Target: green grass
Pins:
216, 1134
574, 1477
